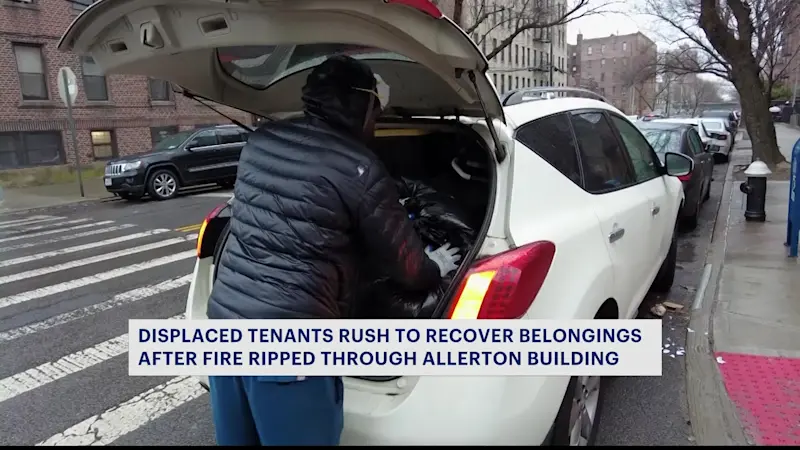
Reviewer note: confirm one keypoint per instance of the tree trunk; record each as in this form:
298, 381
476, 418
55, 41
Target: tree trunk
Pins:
458, 12
757, 118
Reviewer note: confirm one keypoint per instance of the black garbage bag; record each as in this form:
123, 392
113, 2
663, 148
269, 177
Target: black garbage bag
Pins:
436, 216
439, 220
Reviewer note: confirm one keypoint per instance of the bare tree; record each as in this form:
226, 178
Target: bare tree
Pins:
741, 41
518, 16
693, 91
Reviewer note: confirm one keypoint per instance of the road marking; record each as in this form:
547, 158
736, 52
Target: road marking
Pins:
120, 299
93, 279
93, 259
40, 227
48, 372
194, 227
106, 427
67, 237
27, 221
79, 248
60, 230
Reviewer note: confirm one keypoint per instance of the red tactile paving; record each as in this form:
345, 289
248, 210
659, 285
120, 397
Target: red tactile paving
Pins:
766, 392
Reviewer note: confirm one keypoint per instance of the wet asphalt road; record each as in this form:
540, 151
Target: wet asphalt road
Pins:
63, 372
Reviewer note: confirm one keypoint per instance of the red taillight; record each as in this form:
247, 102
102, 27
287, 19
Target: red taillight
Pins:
422, 5
214, 213
687, 177
504, 286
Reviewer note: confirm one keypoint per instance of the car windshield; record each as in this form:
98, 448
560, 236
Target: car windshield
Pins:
258, 66
713, 125
172, 141
663, 140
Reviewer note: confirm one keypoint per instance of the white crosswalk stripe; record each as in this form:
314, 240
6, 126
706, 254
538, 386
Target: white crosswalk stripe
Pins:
68, 286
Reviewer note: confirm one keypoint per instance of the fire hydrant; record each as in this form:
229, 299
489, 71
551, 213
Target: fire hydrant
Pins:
756, 190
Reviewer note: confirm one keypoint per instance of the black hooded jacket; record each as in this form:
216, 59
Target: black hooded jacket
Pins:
312, 205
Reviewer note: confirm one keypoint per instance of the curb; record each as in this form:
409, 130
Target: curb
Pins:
711, 412
56, 205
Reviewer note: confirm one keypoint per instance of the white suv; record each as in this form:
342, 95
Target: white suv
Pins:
575, 214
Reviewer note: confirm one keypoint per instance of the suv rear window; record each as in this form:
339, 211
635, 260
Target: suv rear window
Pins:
258, 66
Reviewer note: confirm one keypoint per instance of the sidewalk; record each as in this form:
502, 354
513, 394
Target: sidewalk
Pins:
52, 195
750, 320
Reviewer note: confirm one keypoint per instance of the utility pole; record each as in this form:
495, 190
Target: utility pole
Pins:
552, 58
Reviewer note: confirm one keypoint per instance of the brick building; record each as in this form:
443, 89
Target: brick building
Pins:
530, 59
621, 68
114, 115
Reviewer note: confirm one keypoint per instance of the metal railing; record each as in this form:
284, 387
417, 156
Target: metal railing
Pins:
525, 95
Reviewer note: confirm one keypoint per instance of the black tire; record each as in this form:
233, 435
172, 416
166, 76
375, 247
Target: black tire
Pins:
159, 185
561, 433
666, 274
707, 195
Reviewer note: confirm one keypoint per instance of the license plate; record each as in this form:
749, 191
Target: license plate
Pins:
107, 181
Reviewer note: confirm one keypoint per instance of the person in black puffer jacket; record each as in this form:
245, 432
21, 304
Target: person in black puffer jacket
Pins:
311, 203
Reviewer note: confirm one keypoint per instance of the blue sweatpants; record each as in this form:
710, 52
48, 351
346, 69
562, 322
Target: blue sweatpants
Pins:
277, 410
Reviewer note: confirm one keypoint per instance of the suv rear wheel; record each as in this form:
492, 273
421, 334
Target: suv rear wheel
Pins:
163, 184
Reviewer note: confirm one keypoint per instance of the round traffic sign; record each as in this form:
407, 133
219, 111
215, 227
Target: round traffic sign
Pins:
71, 87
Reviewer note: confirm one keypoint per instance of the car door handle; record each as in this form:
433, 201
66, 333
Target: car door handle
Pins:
616, 235
655, 210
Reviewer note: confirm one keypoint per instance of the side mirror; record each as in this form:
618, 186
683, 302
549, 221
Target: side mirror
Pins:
190, 145
678, 164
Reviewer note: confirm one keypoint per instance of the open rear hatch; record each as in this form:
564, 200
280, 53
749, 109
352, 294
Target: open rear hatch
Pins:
254, 55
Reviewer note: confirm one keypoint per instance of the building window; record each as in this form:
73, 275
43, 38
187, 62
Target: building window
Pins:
157, 134
602, 49
589, 50
43, 148
103, 144
160, 90
30, 67
494, 79
94, 81
602, 62
516, 54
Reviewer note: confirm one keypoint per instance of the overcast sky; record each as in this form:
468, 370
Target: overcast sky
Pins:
595, 26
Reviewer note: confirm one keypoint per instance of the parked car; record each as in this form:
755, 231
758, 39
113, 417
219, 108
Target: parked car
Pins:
732, 124
188, 158
590, 235
710, 143
721, 138
683, 138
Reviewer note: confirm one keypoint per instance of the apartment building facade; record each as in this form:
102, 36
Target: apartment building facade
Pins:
619, 67
536, 57
115, 115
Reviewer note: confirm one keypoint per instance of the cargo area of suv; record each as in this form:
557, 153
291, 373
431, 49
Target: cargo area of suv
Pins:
441, 166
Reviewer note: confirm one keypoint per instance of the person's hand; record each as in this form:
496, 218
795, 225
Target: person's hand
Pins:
445, 257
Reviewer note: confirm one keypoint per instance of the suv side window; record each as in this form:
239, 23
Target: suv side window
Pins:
694, 141
605, 166
203, 139
230, 136
551, 139
642, 155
